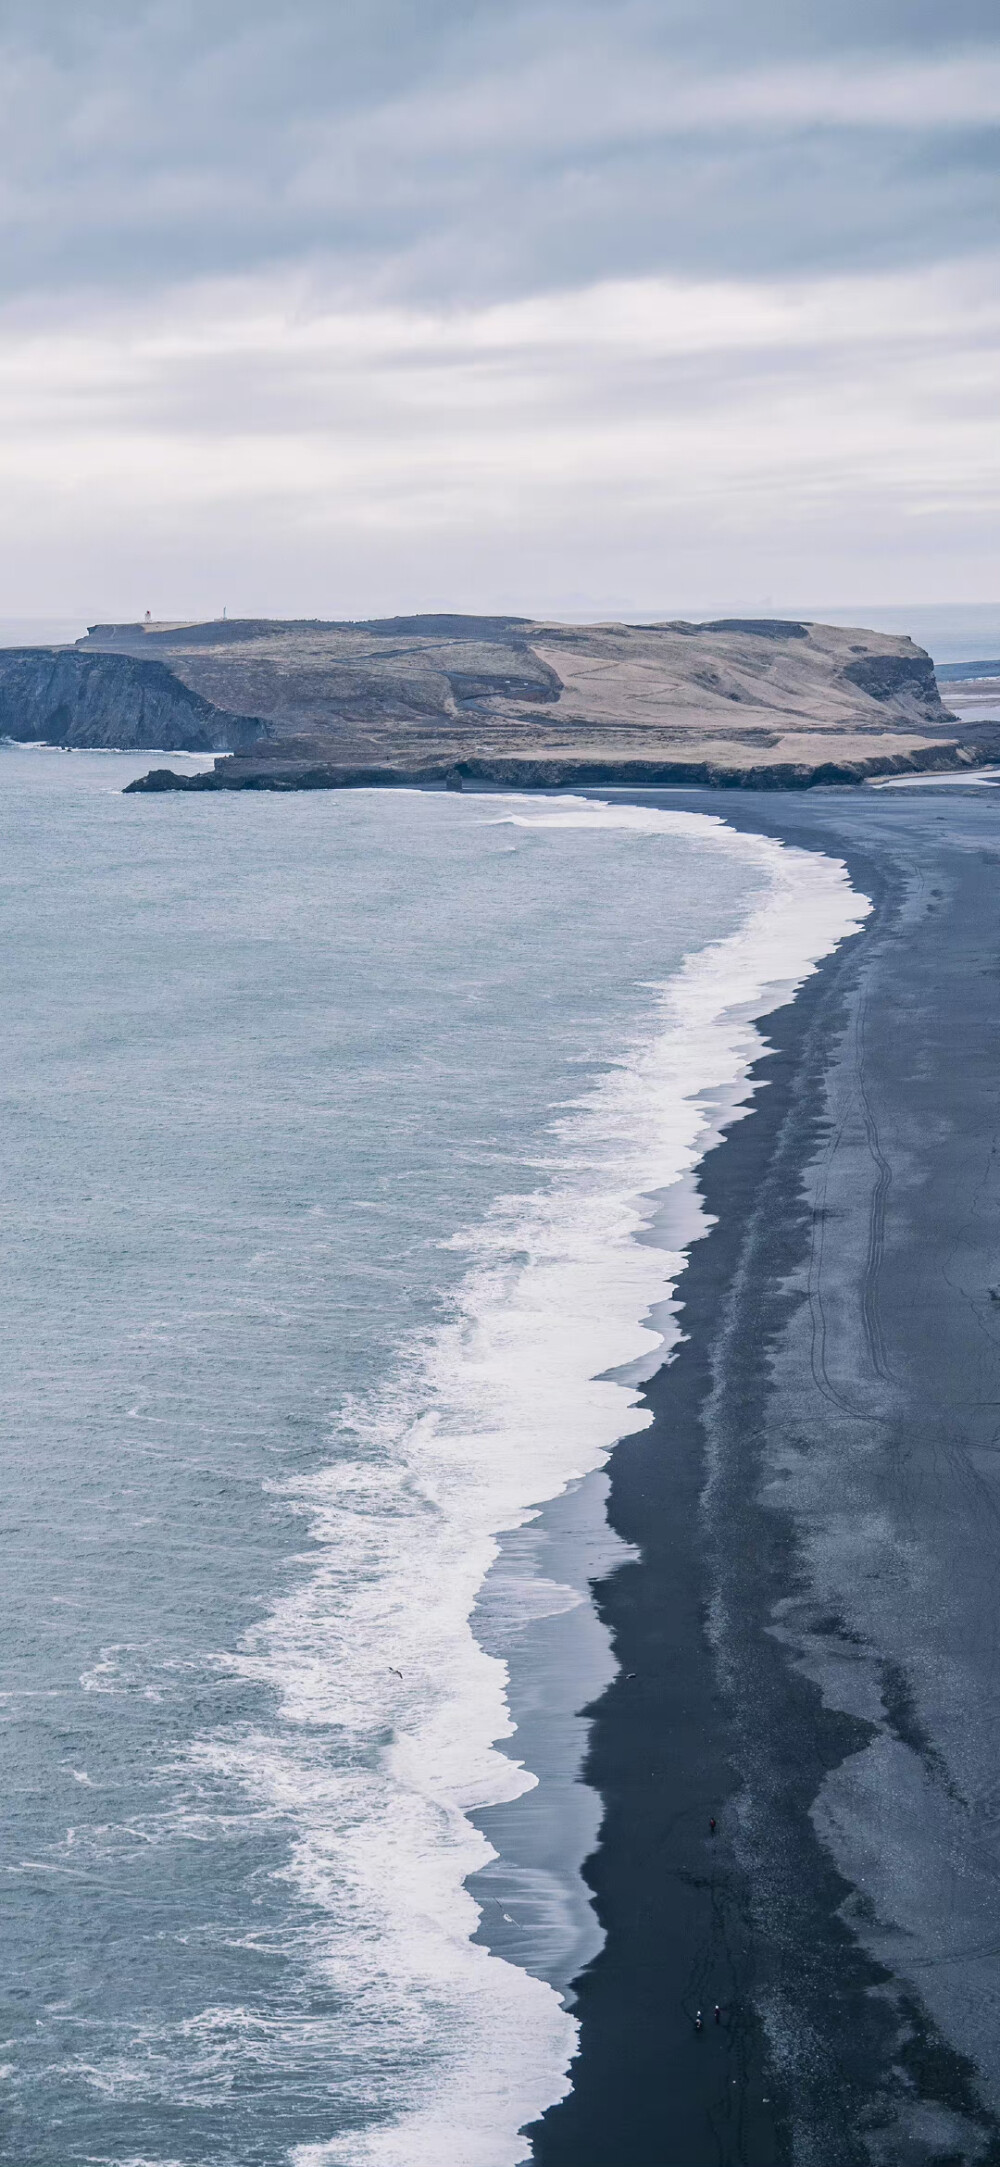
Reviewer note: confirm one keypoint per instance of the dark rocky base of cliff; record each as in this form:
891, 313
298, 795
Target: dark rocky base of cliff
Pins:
268, 773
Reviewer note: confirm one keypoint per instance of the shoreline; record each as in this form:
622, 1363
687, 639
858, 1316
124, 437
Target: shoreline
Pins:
558, 1652
661, 1752
770, 1691
536, 1908
536, 1911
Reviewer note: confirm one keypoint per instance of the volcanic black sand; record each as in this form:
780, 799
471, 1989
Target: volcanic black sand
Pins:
809, 1641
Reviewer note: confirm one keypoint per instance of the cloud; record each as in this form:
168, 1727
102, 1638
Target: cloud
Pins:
446, 149
356, 308
655, 424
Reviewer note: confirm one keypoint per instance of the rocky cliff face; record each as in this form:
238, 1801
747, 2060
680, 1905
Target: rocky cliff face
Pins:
500, 698
60, 696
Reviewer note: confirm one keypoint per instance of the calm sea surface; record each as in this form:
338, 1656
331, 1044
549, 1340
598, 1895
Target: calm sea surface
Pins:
323, 1123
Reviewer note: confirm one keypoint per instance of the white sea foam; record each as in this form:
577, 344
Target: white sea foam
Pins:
487, 1417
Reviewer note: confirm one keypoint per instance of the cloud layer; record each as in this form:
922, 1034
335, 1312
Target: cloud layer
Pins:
353, 309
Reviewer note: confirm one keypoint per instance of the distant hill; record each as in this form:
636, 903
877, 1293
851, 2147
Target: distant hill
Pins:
502, 699
958, 672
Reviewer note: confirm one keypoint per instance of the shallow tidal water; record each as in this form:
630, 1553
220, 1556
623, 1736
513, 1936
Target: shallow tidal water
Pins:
327, 1122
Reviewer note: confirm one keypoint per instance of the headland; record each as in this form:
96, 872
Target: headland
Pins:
504, 701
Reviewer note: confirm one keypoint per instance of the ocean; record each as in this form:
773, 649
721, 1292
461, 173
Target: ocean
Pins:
348, 1143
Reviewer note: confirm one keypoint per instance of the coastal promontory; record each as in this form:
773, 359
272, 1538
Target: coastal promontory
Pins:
503, 700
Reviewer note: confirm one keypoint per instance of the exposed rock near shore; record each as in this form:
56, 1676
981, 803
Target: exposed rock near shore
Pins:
312, 705
257, 771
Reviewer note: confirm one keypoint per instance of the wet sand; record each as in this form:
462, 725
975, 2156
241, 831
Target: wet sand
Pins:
812, 1623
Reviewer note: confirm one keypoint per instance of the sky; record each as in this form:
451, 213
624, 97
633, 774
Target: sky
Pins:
579, 308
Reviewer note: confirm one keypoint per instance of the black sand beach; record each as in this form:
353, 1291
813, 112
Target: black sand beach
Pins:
808, 1643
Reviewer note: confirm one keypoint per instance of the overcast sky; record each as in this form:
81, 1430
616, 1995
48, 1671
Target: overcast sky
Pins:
336, 309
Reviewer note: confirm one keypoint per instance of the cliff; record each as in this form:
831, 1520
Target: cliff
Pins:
498, 699
58, 696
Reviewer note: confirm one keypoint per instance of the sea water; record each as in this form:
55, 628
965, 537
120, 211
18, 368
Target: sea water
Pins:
334, 1132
